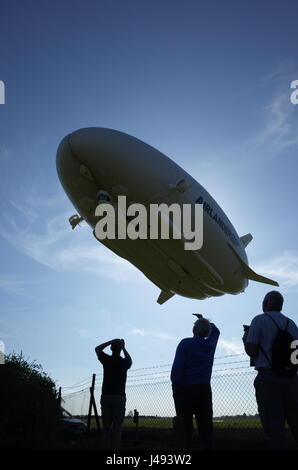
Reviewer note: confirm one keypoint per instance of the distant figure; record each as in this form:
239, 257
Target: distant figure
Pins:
276, 386
190, 376
113, 396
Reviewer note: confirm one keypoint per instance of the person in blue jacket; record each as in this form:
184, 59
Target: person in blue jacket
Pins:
190, 376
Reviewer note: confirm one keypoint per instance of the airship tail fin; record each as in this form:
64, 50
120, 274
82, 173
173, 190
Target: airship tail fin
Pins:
257, 277
250, 274
164, 296
246, 239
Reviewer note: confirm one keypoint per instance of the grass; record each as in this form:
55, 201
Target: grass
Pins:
233, 433
167, 423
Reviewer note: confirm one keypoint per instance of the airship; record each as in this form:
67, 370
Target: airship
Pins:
98, 165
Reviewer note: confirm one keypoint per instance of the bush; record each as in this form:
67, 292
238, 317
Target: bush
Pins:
29, 412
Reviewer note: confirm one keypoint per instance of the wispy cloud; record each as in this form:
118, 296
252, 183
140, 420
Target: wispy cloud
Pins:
14, 286
51, 242
25, 210
82, 333
234, 346
282, 72
283, 268
278, 129
137, 332
281, 128
4, 153
152, 334
13, 309
281, 124
277, 132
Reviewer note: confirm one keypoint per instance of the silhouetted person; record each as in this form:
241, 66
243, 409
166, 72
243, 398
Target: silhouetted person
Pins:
113, 396
190, 376
276, 395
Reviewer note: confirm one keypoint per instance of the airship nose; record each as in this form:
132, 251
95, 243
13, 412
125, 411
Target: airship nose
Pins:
64, 159
62, 151
117, 163
93, 149
69, 162
92, 143
77, 180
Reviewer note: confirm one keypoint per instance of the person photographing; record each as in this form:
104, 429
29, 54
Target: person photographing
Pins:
113, 397
268, 341
191, 376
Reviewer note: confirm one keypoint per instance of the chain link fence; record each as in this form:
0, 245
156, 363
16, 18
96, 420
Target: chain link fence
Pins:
148, 390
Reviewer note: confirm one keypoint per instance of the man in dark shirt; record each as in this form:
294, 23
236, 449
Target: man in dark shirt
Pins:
277, 396
190, 376
113, 396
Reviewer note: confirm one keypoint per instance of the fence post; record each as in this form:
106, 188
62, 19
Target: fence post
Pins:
136, 421
59, 400
178, 428
96, 414
92, 404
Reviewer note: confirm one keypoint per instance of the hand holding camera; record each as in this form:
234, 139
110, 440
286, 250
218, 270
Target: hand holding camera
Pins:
245, 333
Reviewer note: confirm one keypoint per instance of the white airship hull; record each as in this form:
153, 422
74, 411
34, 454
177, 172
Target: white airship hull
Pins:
94, 159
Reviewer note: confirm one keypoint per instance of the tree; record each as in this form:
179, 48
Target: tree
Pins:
30, 416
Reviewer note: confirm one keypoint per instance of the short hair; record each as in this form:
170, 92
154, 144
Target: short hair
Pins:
273, 300
202, 327
116, 345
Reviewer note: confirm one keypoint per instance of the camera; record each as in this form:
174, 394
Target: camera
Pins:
245, 334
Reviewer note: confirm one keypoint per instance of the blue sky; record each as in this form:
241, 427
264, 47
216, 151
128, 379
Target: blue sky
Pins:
208, 84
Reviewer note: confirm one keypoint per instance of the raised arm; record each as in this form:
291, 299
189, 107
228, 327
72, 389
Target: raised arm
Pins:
214, 335
126, 354
103, 345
